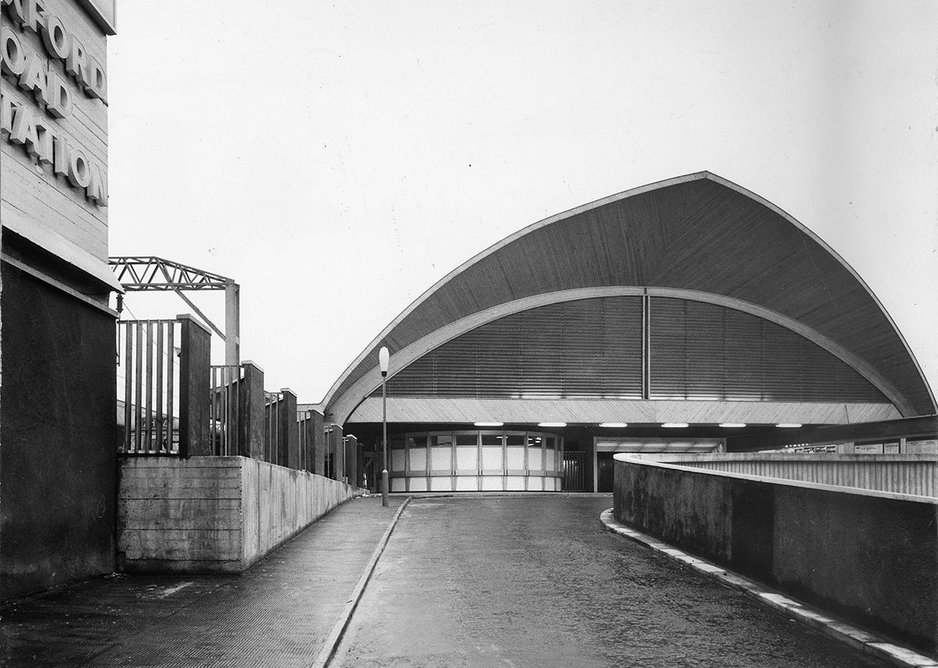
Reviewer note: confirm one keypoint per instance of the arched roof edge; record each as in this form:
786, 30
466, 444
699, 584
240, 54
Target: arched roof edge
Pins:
846, 265
657, 185
359, 391
495, 247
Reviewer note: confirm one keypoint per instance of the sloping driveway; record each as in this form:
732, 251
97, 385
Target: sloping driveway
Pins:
535, 581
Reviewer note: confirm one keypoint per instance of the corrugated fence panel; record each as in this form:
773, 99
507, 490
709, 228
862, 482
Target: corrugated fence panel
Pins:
588, 348
583, 367
592, 348
668, 349
543, 354
455, 371
705, 359
622, 350
707, 352
742, 356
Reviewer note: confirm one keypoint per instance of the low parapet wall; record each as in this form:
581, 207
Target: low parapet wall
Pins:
905, 474
214, 514
866, 555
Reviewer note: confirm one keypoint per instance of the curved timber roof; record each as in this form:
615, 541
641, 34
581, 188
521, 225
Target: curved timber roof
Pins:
697, 237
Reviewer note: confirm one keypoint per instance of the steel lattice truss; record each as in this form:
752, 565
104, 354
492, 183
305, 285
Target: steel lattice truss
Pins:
147, 273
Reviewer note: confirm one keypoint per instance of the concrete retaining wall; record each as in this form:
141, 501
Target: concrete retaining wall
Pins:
214, 514
869, 556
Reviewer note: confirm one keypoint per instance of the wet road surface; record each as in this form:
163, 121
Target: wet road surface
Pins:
277, 614
536, 581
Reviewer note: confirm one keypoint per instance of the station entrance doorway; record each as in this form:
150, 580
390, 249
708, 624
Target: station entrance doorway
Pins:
605, 447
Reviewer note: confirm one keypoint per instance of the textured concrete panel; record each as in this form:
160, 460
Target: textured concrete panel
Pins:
870, 556
214, 514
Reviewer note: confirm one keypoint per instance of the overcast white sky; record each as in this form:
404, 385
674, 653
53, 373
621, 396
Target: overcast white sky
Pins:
337, 159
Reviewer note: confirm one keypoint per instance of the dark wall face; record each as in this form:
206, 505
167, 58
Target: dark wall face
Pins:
871, 559
57, 455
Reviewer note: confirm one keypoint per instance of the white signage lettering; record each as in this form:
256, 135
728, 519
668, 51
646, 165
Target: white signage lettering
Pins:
19, 124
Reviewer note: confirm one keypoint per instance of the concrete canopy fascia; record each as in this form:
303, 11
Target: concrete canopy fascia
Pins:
61, 248
104, 14
467, 410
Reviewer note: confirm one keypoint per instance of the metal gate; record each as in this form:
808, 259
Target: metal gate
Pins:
575, 471
225, 408
148, 387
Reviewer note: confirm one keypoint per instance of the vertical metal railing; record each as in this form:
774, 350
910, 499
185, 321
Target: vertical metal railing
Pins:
574, 471
225, 408
902, 474
148, 386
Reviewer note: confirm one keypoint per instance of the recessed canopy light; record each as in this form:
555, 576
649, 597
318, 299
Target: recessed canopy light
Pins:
732, 425
551, 424
614, 425
675, 425
788, 425
489, 424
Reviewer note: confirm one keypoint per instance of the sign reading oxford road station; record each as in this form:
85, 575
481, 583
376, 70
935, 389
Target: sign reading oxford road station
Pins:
51, 68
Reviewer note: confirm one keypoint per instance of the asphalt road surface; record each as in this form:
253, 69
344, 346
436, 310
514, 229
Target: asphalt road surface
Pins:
536, 581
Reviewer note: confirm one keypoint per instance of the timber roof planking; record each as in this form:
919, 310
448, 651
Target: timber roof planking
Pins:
698, 232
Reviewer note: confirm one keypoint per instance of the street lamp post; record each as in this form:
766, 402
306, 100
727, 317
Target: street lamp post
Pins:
384, 358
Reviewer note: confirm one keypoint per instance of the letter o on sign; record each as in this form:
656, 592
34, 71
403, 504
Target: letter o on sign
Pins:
12, 58
79, 171
55, 37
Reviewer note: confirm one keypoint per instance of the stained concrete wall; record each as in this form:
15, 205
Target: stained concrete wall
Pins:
57, 457
869, 556
213, 514
278, 502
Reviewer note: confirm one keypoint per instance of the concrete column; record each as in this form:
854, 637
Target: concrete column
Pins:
289, 454
338, 452
251, 398
595, 468
232, 324
194, 392
351, 460
317, 444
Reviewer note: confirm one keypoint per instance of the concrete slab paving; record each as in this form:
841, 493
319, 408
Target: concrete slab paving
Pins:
277, 614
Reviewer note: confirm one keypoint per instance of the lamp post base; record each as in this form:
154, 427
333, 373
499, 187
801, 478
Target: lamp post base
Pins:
384, 488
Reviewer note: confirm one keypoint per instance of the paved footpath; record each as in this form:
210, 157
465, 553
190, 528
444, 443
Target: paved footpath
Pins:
536, 581
277, 614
